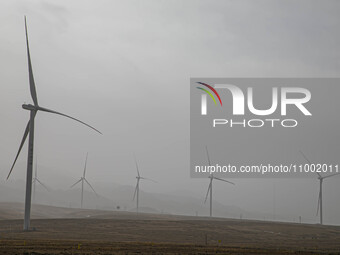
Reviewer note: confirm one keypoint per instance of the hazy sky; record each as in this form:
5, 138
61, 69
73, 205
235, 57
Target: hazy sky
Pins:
125, 67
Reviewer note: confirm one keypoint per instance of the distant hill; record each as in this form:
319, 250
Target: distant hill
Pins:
112, 198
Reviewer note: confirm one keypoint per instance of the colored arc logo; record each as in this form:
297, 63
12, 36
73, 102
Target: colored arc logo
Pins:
209, 93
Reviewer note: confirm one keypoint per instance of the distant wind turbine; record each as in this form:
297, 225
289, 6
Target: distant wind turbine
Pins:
29, 131
321, 178
35, 179
138, 177
82, 180
210, 190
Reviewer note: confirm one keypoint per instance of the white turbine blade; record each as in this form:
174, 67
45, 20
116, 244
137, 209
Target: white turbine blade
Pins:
136, 165
224, 180
303, 155
205, 200
134, 194
36, 167
76, 183
85, 165
30, 71
318, 209
330, 175
91, 187
51, 111
43, 185
20, 147
148, 179
206, 148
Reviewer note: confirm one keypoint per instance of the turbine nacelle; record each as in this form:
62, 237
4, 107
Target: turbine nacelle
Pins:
29, 107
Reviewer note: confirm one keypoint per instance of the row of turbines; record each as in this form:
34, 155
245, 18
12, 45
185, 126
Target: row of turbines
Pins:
320, 178
83, 181
29, 131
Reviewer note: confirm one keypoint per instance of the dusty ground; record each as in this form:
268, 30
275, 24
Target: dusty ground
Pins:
127, 233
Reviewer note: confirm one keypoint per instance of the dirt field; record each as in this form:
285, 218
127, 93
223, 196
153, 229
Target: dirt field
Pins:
127, 233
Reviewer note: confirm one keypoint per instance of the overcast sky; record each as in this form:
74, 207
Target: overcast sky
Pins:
125, 67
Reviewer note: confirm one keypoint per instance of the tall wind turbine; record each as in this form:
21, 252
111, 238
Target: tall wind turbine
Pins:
35, 179
138, 177
211, 177
82, 180
29, 131
321, 178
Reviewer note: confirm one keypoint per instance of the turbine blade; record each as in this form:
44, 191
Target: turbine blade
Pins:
36, 167
136, 165
20, 147
148, 179
205, 200
85, 165
76, 183
318, 209
206, 148
91, 187
134, 194
51, 111
30, 70
303, 155
330, 175
224, 180
43, 185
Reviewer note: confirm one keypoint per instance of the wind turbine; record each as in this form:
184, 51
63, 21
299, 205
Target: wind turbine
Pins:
29, 131
82, 180
138, 177
212, 177
35, 179
321, 178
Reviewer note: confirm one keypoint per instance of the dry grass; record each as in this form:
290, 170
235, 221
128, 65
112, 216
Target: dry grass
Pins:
101, 232
125, 236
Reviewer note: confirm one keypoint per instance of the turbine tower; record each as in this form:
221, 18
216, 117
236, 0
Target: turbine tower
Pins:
82, 180
138, 177
35, 179
320, 178
29, 131
211, 177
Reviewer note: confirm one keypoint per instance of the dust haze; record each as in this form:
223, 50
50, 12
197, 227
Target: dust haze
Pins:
125, 67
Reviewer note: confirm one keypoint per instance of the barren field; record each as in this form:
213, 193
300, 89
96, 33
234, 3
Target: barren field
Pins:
100, 232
